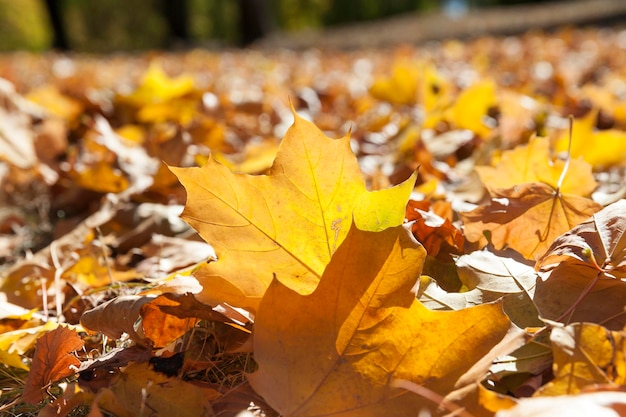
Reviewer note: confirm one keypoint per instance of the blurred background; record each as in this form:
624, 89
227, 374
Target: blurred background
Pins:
130, 25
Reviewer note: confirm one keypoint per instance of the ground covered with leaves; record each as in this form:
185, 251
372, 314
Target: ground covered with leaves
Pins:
459, 249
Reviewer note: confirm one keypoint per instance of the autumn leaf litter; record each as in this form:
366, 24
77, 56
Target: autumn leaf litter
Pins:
320, 276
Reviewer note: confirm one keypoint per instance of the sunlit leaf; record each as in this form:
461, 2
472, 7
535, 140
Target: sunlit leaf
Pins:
586, 354
341, 360
527, 218
288, 223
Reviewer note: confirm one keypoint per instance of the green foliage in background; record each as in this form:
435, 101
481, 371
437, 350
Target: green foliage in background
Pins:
23, 25
110, 25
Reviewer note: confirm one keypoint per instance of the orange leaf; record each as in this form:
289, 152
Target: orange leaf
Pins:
53, 360
336, 351
527, 218
434, 232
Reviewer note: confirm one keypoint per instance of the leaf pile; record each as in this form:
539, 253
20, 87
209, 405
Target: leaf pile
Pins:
446, 255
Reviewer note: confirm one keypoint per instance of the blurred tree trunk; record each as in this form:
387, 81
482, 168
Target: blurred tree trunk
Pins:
59, 40
177, 15
254, 20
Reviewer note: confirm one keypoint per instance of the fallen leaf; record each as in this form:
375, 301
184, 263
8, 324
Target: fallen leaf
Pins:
16, 131
497, 276
53, 360
532, 163
399, 88
239, 399
315, 186
118, 316
318, 359
585, 354
598, 242
590, 261
471, 108
526, 218
434, 232
600, 148
139, 390
157, 87
57, 103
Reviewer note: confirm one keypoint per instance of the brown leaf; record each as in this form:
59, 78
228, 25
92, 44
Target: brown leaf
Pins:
600, 240
117, 316
588, 261
527, 218
53, 360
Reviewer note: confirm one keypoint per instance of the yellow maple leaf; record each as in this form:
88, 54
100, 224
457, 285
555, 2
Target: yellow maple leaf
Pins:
600, 148
338, 350
288, 222
532, 163
157, 87
472, 107
399, 88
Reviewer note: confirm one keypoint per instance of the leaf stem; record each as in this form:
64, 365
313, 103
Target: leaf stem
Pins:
569, 155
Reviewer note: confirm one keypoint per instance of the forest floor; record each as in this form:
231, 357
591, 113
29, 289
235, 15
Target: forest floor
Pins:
488, 266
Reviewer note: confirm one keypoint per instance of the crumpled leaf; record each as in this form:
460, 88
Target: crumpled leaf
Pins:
591, 254
586, 354
527, 218
53, 360
532, 163
315, 185
434, 232
340, 361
